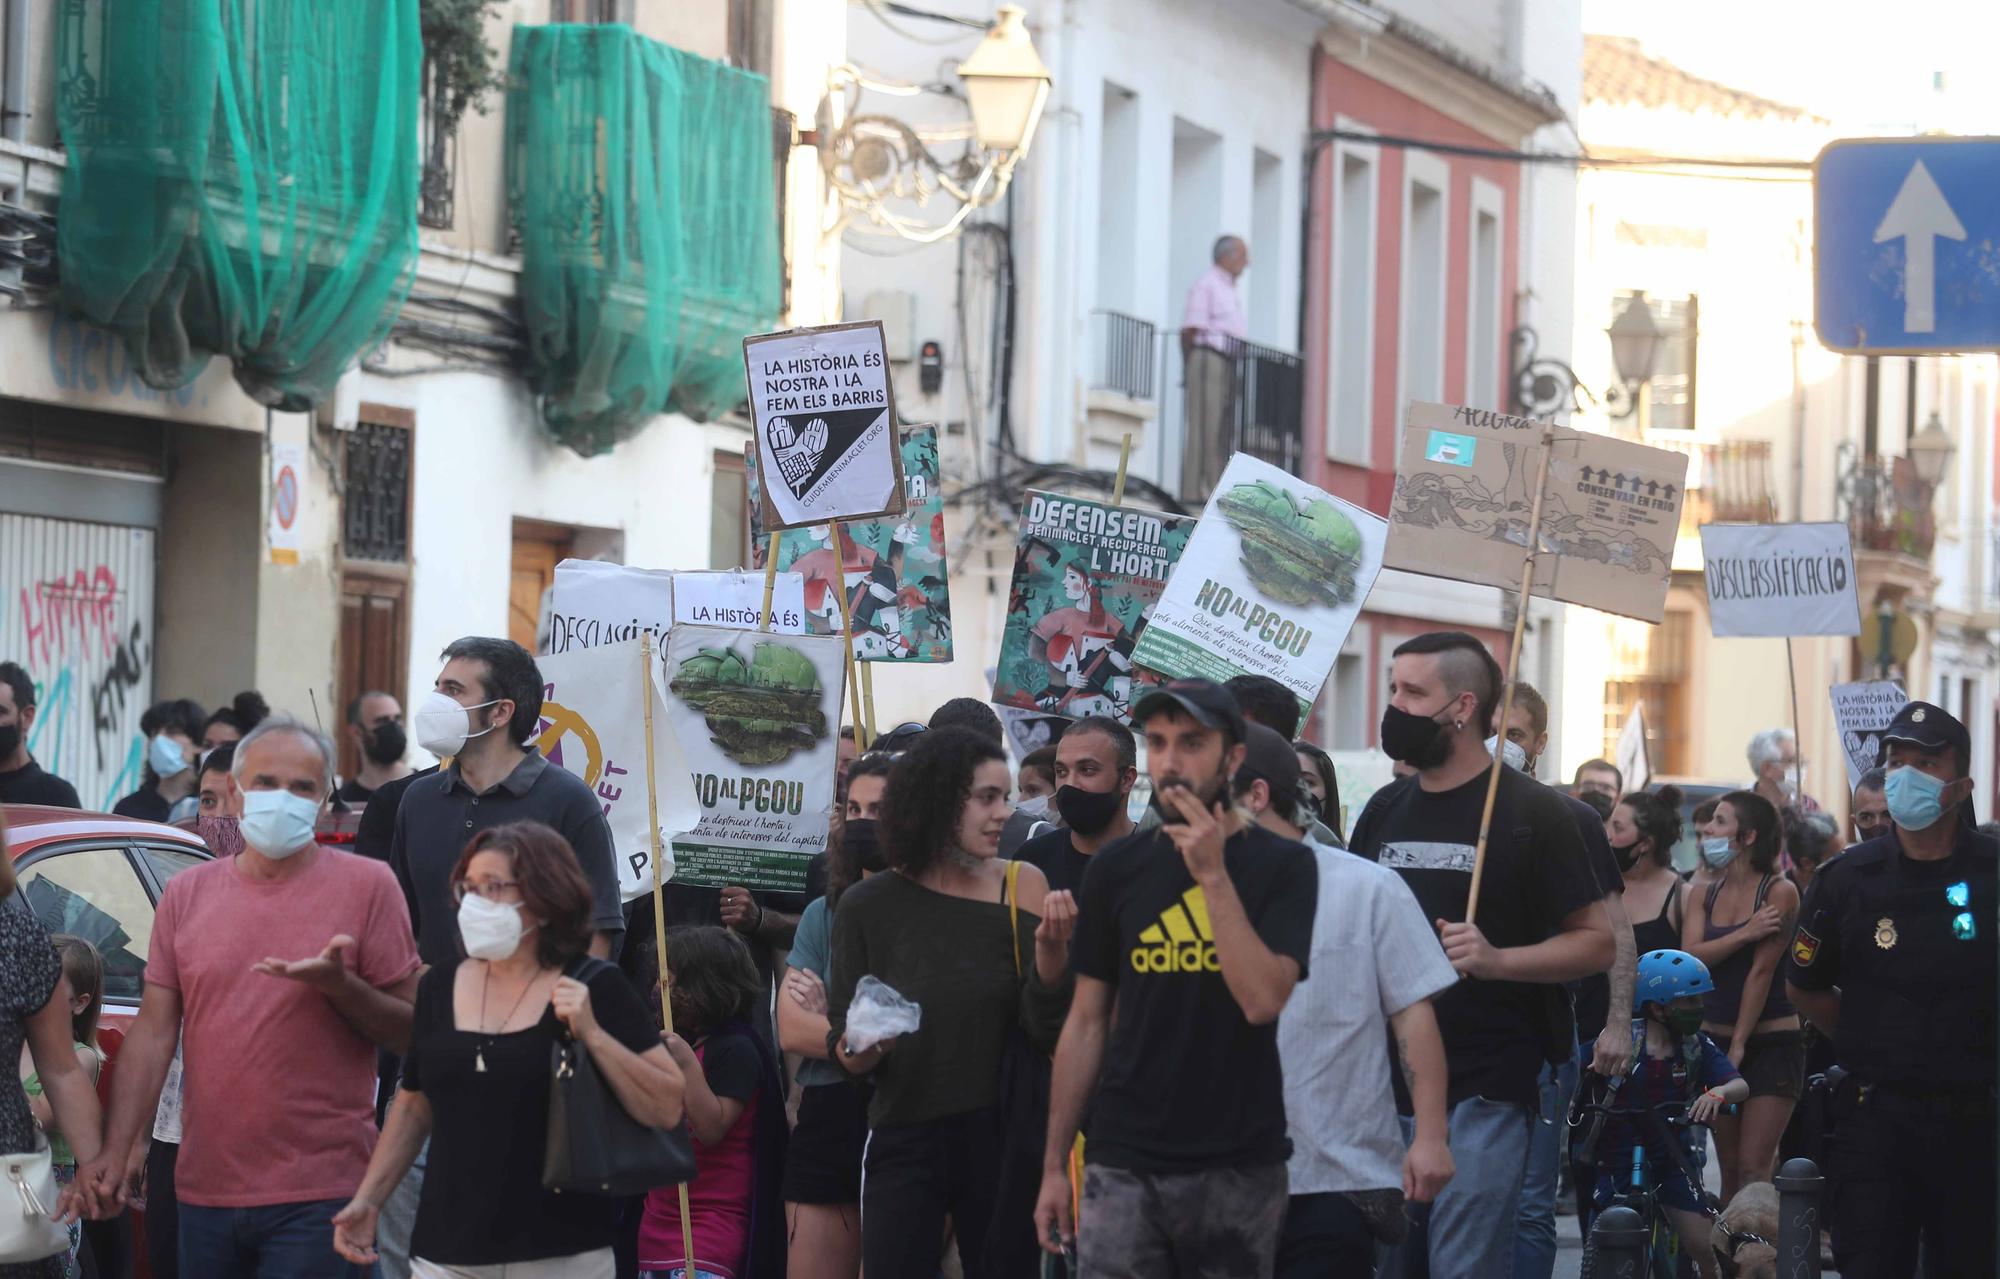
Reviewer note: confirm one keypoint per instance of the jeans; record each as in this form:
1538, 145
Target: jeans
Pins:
1535, 1221
1219, 1223
270, 1241
399, 1218
1469, 1232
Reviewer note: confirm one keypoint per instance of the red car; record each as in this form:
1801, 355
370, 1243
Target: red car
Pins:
99, 877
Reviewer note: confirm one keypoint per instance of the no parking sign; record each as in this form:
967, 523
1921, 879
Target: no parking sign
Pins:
288, 468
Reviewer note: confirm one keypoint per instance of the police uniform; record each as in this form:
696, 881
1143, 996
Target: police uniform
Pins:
1911, 946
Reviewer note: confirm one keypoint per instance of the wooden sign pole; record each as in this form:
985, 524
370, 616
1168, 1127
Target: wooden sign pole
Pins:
868, 695
659, 904
1513, 667
770, 581
861, 737
1124, 460
1798, 742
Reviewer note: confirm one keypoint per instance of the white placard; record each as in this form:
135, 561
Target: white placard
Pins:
1270, 583
1780, 579
758, 717
1861, 711
594, 724
1634, 764
594, 603
825, 420
735, 598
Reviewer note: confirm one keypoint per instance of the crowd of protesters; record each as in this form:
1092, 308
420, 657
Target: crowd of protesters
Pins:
1219, 1034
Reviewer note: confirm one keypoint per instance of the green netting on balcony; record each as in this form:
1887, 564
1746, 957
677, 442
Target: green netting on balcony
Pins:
640, 178
242, 181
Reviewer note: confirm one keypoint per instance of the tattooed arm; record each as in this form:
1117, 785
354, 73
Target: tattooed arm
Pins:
1420, 1050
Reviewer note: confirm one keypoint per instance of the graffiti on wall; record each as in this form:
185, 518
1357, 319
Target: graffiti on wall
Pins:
81, 623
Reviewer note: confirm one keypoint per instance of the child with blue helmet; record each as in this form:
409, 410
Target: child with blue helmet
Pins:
1676, 1063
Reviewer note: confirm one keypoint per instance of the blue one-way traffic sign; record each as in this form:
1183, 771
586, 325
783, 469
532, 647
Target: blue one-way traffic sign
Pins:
1906, 245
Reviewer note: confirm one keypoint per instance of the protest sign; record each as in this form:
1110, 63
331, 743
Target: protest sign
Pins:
1086, 577
1635, 764
1465, 487
894, 569
1780, 579
1271, 582
758, 718
824, 415
1860, 712
594, 603
593, 724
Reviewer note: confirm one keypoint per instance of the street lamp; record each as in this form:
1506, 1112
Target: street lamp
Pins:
1006, 84
1929, 451
887, 171
1636, 339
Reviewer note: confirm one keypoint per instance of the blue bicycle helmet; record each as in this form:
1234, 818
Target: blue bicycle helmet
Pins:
1666, 975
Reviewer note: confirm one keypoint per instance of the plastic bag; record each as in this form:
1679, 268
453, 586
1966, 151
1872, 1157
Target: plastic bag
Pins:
877, 1013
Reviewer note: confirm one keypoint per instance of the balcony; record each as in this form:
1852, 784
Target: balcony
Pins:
1257, 394
1125, 355
1886, 506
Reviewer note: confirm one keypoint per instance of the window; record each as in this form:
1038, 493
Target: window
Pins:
437, 149
1649, 665
1482, 318
375, 515
1351, 333
96, 894
590, 11
1670, 403
1426, 183
1267, 237
1118, 189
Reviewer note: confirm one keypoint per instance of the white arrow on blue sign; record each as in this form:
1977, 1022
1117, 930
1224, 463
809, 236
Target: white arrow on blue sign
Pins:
1906, 245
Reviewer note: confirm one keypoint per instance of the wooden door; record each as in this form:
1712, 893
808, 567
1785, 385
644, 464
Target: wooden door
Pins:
536, 555
374, 647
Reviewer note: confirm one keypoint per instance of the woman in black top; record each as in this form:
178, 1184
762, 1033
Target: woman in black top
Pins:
939, 930
476, 1077
1643, 830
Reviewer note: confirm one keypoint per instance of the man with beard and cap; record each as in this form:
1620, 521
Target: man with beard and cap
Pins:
1198, 933
1894, 959
1541, 921
1096, 767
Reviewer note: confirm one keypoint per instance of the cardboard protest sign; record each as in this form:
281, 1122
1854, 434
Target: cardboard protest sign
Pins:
594, 724
595, 603
1086, 577
825, 424
1780, 579
1465, 481
1270, 583
1635, 764
894, 569
1860, 712
758, 717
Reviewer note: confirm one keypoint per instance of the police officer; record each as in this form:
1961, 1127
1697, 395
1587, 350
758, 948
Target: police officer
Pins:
1895, 959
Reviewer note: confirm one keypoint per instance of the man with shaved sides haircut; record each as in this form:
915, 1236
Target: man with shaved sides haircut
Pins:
1540, 923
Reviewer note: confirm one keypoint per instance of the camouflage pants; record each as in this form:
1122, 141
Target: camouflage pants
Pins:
1222, 1223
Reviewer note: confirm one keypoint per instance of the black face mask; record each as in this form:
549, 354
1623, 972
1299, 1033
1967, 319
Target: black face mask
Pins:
862, 845
387, 743
1088, 811
1416, 740
10, 739
1628, 856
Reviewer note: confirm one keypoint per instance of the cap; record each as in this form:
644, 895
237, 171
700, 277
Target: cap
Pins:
1271, 758
1927, 726
1209, 703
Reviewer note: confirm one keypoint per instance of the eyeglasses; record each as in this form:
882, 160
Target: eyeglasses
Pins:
492, 890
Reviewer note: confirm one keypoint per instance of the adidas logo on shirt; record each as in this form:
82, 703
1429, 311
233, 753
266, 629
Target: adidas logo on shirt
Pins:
1181, 942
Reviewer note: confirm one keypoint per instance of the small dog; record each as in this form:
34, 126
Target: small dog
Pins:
1745, 1236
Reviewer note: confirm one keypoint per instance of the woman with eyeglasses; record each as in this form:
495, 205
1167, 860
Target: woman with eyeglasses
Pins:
476, 1078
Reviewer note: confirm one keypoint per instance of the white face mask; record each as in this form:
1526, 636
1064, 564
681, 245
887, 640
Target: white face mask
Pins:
166, 756
1717, 851
278, 823
442, 723
490, 930
1515, 756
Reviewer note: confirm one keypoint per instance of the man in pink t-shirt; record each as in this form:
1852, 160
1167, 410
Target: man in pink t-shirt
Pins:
1213, 328
278, 1101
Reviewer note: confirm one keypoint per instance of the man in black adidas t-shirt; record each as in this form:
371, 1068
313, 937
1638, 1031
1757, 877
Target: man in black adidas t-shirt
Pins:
1540, 922
1199, 931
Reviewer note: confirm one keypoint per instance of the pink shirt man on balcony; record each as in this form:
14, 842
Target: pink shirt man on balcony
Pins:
1211, 328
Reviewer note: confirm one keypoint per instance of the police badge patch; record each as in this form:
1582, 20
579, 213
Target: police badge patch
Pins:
1805, 948
1885, 933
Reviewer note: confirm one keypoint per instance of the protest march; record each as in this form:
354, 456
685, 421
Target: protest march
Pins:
671, 964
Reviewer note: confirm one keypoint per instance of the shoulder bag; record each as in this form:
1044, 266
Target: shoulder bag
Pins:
27, 1231
595, 1147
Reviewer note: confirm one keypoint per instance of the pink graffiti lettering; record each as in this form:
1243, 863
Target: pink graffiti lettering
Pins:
87, 602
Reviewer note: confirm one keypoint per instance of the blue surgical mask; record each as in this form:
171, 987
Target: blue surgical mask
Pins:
278, 823
1717, 851
166, 756
1913, 798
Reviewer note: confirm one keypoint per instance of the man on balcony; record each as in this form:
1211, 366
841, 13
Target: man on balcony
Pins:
1212, 332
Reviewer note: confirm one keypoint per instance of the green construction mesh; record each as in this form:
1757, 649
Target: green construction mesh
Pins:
242, 181
640, 177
